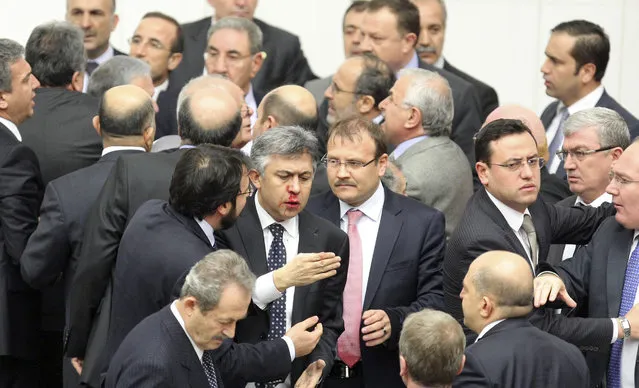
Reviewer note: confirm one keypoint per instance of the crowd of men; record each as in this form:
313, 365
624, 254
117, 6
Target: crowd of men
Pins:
203, 211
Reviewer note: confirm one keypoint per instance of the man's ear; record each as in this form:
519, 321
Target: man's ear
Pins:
77, 81
461, 367
174, 61
482, 172
149, 136
486, 307
96, 125
415, 118
403, 368
254, 176
258, 60
225, 209
587, 72
365, 104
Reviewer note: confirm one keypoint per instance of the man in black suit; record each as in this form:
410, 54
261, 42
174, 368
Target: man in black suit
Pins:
396, 247
507, 214
209, 115
60, 131
158, 41
433, 17
394, 25
577, 56
284, 62
300, 259
125, 123
20, 196
509, 351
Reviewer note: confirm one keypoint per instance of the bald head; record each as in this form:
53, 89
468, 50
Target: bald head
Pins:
126, 110
529, 118
205, 82
288, 105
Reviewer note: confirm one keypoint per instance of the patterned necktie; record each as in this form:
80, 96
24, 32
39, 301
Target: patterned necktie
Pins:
348, 343
557, 142
630, 283
277, 259
529, 228
91, 66
209, 368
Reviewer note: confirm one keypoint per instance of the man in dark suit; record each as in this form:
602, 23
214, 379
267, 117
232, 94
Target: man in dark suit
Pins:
20, 196
509, 351
507, 214
433, 17
125, 123
300, 259
397, 244
209, 115
158, 41
577, 56
60, 131
395, 26
284, 62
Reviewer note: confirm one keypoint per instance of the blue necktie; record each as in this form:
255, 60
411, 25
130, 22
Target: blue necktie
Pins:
630, 283
209, 369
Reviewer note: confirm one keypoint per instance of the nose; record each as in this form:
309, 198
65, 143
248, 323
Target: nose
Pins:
424, 38
526, 171
383, 104
357, 37
612, 188
342, 172
366, 45
35, 83
138, 50
328, 93
219, 66
85, 22
569, 163
294, 187
545, 66
229, 331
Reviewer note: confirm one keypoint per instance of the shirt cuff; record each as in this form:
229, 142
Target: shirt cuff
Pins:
265, 291
545, 273
615, 330
291, 346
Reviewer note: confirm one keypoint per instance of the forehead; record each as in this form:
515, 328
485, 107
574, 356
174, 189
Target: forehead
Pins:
103, 5
156, 28
518, 145
582, 136
228, 39
354, 18
430, 12
361, 142
299, 164
380, 21
19, 70
628, 162
560, 43
350, 69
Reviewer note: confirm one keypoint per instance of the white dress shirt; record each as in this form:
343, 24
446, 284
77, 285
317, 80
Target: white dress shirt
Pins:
177, 315
586, 102
405, 145
110, 149
412, 64
630, 346
439, 63
12, 128
367, 226
487, 328
207, 229
159, 89
569, 249
108, 54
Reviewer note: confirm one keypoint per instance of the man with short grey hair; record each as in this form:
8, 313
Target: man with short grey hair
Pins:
121, 70
418, 121
300, 259
431, 349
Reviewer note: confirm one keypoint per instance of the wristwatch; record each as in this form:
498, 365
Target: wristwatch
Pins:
626, 327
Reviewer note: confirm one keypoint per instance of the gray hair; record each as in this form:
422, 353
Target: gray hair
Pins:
119, 70
437, 109
10, 53
611, 128
432, 343
390, 178
285, 141
55, 52
208, 278
240, 24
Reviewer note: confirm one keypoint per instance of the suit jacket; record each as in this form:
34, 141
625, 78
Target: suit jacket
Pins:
285, 62
118, 52
405, 274
556, 251
317, 87
323, 298
487, 95
606, 102
158, 353
437, 174
483, 228
61, 132
52, 253
20, 196
516, 354
166, 117
553, 188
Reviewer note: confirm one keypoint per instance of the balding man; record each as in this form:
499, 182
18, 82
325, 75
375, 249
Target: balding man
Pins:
552, 188
284, 106
497, 297
126, 124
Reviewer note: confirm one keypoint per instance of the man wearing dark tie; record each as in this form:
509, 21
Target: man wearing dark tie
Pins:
396, 249
20, 196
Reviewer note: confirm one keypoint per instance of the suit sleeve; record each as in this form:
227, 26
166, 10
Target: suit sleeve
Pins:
576, 225
473, 374
263, 362
430, 292
466, 122
20, 196
48, 250
103, 231
143, 374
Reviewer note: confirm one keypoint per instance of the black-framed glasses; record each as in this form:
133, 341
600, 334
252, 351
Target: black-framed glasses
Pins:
580, 154
516, 164
152, 43
350, 165
249, 192
336, 89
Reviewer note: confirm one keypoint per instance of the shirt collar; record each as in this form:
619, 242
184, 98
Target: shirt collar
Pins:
487, 328
290, 225
207, 229
12, 128
177, 315
603, 198
405, 145
514, 218
372, 207
160, 88
108, 54
586, 102
110, 149
412, 64
379, 118
439, 63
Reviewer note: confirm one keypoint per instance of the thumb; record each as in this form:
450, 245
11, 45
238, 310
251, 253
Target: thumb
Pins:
319, 329
309, 322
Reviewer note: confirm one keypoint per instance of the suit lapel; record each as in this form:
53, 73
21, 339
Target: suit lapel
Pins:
309, 236
252, 236
489, 208
389, 229
617, 263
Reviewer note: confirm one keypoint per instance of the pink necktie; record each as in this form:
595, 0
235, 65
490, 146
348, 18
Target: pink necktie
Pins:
348, 343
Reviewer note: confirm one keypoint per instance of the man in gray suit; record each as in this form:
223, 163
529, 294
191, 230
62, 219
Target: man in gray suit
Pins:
419, 116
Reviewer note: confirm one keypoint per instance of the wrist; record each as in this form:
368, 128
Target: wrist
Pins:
624, 323
279, 280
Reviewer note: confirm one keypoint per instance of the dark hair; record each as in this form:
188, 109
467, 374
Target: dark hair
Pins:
288, 114
205, 178
495, 131
126, 121
177, 46
592, 45
191, 129
352, 128
358, 6
376, 78
405, 11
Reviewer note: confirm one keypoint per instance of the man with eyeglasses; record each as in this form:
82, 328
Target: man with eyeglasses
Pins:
507, 213
396, 249
593, 140
158, 41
